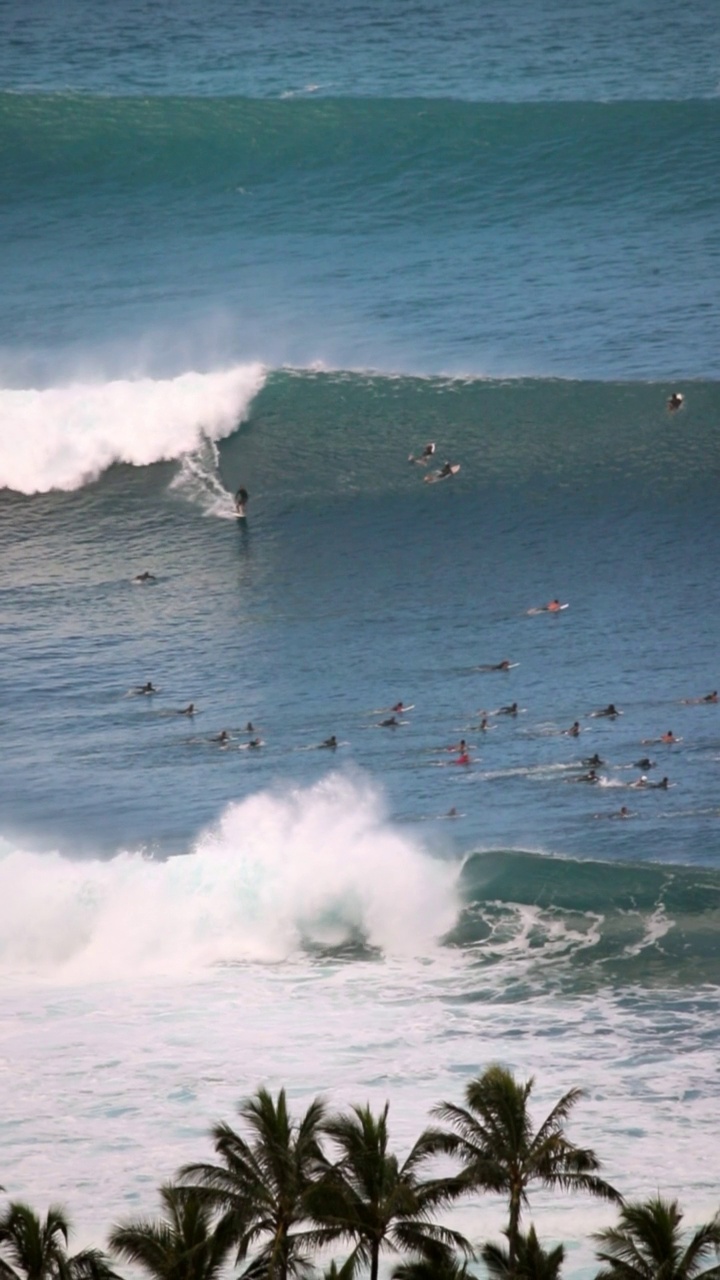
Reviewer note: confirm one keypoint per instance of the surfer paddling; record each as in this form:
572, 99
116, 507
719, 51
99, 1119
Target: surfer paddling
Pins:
145, 576
675, 402
241, 500
149, 687
423, 458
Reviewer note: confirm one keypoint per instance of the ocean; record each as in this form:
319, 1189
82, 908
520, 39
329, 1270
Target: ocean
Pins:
285, 249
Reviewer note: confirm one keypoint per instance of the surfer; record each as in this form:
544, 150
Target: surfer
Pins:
554, 606
593, 761
505, 665
221, 737
330, 742
249, 727
145, 576
711, 697
695, 702
622, 812
512, 710
483, 725
255, 742
463, 758
392, 722
460, 747
610, 710
662, 785
241, 500
189, 710
146, 688
399, 708
669, 737
641, 783
574, 730
645, 763
590, 776
445, 470
675, 402
425, 456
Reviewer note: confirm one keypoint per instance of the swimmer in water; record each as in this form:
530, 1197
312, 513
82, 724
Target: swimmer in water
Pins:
675, 402
146, 688
330, 742
574, 730
145, 576
512, 710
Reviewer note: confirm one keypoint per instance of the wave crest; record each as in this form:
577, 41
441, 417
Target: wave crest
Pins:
279, 872
63, 437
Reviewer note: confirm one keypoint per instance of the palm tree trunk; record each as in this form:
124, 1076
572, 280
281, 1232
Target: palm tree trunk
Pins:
514, 1226
375, 1260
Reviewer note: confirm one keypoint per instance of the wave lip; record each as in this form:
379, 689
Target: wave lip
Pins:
63, 437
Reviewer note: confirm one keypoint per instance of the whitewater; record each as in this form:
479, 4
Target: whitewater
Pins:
285, 252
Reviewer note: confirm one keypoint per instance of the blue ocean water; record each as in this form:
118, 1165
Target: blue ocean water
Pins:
287, 250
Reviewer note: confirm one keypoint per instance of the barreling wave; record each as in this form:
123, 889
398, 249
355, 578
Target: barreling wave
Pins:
544, 921
455, 155
311, 433
63, 437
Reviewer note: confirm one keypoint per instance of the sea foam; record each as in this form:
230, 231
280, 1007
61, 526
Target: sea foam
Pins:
63, 437
279, 872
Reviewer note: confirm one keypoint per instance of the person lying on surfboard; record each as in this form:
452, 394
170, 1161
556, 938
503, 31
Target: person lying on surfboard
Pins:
445, 470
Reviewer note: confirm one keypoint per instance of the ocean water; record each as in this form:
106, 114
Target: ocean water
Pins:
285, 250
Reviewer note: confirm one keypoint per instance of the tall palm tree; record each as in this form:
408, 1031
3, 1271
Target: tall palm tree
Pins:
531, 1262
35, 1249
493, 1137
370, 1198
648, 1244
261, 1182
184, 1245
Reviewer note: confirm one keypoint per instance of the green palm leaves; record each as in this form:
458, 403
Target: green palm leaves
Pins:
372, 1200
183, 1245
647, 1245
36, 1249
261, 1182
494, 1138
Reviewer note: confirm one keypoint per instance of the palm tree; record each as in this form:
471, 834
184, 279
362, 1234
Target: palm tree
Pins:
182, 1246
370, 1198
33, 1249
260, 1183
430, 1269
647, 1244
531, 1262
493, 1136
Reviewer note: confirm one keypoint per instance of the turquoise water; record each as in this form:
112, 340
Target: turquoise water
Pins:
287, 251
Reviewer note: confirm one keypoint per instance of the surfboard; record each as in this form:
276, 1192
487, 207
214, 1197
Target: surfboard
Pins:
489, 666
437, 475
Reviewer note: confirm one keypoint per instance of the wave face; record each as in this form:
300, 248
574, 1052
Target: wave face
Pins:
422, 235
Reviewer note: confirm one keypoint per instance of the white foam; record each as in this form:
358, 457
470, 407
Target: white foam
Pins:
318, 864
62, 437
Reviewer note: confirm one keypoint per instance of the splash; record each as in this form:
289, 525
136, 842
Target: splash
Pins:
278, 872
63, 437
199, 482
